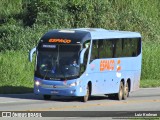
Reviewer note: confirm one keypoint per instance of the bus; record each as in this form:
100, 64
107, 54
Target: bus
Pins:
83, 62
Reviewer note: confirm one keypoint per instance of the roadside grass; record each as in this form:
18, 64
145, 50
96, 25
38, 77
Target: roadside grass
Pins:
148, 83
151, 60
16, 72
150, 65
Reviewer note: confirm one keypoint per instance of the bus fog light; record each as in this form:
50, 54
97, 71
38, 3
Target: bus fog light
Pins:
38, 90
72, 91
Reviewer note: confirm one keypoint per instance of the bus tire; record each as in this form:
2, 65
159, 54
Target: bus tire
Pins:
125, 91
119, 95
86, 97
47, 97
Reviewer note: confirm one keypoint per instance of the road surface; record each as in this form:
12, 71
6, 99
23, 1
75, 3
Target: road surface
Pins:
145, 99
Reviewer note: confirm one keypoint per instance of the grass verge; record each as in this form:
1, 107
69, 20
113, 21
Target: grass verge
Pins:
145, 83
16, 72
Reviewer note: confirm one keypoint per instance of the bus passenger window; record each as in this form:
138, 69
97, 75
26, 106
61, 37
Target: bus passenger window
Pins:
133, 47
101, 49
94, 54
118, 50
109, 48
125, 47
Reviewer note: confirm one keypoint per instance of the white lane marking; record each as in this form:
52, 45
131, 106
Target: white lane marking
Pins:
12, 101
9, 102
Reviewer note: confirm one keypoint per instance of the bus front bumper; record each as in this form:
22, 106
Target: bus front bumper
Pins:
69, 91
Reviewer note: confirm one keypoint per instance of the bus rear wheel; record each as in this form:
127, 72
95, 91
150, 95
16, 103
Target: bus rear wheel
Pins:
86, 97
125, 92
119, 95
47, 97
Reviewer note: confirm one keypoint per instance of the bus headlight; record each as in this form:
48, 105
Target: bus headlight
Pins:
75, 83
37, 83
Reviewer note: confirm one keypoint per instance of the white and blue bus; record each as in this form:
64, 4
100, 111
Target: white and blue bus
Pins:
87, 61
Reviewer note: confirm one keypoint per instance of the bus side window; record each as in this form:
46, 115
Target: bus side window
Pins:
108, 48
129, 47
125, 47
118, 48
133, 47
101, 49
94, 53
138, 46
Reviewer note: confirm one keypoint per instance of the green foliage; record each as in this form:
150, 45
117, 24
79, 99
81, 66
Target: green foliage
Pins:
19, 38
15, 69
18, 18
151, 61
146, 83
10, 7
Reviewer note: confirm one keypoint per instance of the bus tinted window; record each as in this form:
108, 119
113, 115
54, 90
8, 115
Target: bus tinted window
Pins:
101, 49
126, 48
138, 46
94, 54
109, 48
114, 48
134, 47
118, 48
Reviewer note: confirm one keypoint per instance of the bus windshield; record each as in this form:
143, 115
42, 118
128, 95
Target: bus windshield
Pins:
58, 62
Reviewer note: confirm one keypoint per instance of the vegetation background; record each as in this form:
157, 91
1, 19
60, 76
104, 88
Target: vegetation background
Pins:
23, 22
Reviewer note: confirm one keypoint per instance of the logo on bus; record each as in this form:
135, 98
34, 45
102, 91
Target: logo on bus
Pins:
60, 41
110, 65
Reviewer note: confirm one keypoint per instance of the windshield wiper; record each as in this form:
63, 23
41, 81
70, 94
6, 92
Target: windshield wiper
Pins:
45, 74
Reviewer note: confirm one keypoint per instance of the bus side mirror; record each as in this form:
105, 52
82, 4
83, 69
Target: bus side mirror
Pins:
31, 54
82, 55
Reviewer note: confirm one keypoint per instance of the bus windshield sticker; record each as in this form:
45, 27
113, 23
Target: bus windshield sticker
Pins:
67, 41
48, 46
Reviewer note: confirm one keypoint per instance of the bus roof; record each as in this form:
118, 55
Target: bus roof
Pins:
80, 35
99, 33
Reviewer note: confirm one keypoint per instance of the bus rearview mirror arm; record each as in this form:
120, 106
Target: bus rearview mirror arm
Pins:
82, 55
31, 54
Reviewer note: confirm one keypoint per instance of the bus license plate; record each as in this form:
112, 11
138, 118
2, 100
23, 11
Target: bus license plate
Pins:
54, 92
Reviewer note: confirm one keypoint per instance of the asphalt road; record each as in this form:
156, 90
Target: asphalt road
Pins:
145, 99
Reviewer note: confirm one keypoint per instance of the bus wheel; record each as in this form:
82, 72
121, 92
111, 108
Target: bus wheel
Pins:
47, 97
86, 97
125, 92
119, 95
